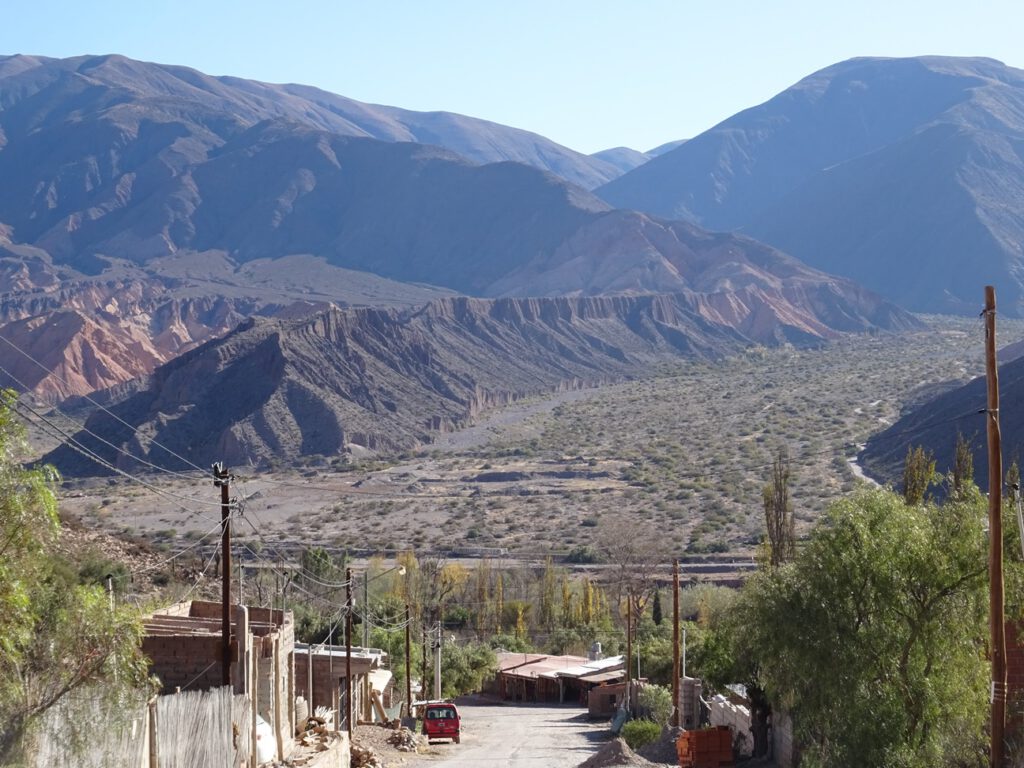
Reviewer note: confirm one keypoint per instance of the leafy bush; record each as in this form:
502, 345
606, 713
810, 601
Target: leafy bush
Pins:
640, 732
465, 667
656, 701
583, 555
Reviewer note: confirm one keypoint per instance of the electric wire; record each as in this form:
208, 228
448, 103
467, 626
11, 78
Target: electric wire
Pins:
180, 552
82, 428
69, 440
106, 410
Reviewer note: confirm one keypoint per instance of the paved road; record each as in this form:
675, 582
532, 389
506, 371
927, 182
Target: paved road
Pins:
518, 736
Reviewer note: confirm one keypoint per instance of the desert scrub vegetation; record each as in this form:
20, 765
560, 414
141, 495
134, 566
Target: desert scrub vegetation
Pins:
682, 453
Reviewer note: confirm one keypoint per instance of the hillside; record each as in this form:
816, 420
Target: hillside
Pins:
933, 422
64, 333
904, 174
163, 206
207, 110
385, 380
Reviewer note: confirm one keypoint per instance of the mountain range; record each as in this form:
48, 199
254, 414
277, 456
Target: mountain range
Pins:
342, 381
906, 175
148, 209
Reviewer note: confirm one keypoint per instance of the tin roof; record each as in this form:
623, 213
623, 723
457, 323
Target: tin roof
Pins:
543, 666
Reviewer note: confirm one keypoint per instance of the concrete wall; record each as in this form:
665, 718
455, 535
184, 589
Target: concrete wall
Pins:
737, 717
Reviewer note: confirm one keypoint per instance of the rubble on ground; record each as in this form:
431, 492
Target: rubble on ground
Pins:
663, 749
615, 753
365, 757
316, 735
404, 740
380, 744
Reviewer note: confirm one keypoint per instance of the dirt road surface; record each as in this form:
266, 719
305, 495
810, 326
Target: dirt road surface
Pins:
498, 735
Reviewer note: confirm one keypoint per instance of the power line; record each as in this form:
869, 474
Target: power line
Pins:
182, 551
106, 410
69, 440
83, 428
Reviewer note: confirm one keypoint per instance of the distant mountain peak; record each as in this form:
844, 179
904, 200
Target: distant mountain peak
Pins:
905, 174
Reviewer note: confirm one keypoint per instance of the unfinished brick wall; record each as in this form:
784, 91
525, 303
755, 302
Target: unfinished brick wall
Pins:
327, 675
188, 662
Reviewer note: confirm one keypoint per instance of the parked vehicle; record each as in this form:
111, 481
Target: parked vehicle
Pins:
441, 721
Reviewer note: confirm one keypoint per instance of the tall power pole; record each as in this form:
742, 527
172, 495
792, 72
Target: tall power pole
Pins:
995, 528
677, 717
222, 479
348, 652
629, 651
408, 662
437, 664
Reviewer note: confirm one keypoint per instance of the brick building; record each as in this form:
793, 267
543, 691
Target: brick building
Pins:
184, 646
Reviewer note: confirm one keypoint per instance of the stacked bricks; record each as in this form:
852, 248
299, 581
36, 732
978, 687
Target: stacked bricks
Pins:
707, 748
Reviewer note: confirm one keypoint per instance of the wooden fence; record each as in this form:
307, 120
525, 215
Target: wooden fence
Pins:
202, 729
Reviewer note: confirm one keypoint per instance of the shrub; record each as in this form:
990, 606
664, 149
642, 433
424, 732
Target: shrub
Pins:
640, 732
656, 700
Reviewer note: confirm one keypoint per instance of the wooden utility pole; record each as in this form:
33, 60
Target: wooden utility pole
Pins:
629, 650
348, 652
408, 662
222, 479
423, 661
437, 663
677, 716
995, 528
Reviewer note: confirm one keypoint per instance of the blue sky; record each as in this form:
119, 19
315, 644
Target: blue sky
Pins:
590, 75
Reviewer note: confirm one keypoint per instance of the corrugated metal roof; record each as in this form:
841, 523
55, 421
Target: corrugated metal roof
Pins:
545, 666
590, 668
604, 677
508, 660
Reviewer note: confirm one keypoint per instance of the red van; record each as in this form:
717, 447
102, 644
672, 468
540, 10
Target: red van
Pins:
441, 721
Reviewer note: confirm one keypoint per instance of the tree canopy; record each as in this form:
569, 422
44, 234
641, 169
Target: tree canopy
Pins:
873, 637
56, 634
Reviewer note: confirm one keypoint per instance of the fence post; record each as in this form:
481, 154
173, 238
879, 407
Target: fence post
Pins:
278, 732
253, 759
151, 722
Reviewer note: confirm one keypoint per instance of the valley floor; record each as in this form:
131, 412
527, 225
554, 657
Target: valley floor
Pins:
679, 456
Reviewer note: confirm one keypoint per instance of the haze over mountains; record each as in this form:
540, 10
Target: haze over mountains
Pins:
903, 174
160, 206
85, 86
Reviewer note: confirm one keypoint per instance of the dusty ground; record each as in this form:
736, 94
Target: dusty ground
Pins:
498, 735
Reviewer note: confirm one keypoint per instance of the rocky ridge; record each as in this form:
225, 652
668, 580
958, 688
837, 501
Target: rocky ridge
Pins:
390, 379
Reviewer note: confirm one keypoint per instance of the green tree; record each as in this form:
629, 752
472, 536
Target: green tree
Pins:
778, 512
874, 636
962, 475
918, 474
56, 634
656, 614
465, 667
656, 701
546, 612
